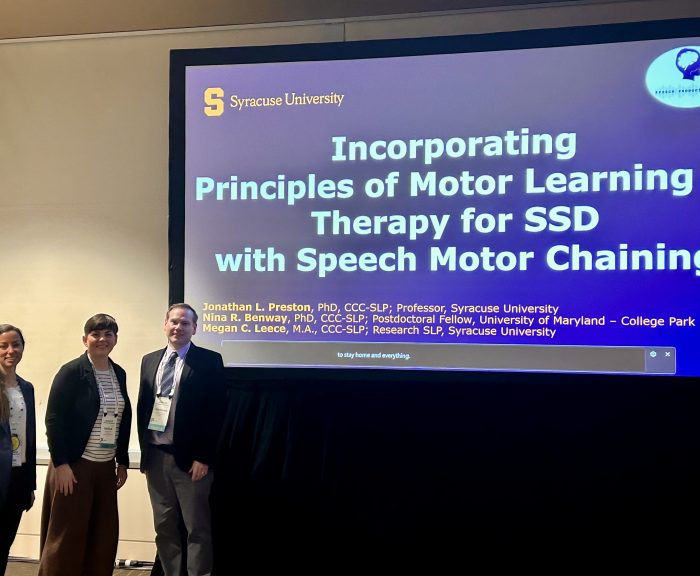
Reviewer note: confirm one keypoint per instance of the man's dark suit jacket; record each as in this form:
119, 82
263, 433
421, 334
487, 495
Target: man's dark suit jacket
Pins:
200, 406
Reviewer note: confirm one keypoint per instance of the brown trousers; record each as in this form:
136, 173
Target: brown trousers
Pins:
80, 531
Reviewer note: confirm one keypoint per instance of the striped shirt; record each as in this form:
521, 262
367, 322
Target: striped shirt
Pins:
111, 401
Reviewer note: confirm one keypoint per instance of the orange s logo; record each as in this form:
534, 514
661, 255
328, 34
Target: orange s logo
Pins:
213, 98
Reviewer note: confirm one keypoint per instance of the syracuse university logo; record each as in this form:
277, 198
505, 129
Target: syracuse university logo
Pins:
214, 101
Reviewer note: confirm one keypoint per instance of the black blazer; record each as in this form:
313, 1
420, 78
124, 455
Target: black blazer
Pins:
28, 474
74, 402
200, 406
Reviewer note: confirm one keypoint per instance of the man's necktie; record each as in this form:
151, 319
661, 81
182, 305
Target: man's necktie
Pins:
168, 378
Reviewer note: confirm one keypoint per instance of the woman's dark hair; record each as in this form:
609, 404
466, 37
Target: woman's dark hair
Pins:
100, 322
4, 402
5, 328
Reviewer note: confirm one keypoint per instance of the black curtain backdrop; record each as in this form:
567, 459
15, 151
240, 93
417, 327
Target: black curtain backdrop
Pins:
338, 471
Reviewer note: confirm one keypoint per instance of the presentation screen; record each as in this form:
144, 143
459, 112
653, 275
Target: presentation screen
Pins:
521, 202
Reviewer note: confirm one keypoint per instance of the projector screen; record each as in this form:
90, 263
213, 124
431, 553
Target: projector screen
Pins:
512, 202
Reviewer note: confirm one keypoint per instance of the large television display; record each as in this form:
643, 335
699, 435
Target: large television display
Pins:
520, 202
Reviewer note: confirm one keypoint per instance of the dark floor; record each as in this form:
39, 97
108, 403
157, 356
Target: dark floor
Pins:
30, 568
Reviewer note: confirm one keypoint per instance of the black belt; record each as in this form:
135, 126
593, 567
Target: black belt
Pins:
167, 448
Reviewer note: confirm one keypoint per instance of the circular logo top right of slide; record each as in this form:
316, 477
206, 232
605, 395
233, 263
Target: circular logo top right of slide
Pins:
673, 78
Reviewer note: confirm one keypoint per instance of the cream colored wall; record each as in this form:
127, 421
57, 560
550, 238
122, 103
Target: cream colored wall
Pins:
84, 181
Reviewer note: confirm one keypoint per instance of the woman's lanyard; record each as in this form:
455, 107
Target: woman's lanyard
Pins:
103, 397
108, 426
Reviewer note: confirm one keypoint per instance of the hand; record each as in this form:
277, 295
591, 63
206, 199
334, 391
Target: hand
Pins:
198, 471
65, 479
121, 476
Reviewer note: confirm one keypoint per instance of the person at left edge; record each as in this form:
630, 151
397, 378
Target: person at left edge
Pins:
17, 440
88, 421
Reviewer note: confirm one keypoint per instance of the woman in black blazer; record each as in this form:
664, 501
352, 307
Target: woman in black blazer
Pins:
88, 421
17, 440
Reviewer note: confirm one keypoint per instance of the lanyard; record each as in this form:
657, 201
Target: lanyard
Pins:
103, 398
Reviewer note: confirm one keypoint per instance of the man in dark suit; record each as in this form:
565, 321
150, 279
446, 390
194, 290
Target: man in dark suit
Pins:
180, 411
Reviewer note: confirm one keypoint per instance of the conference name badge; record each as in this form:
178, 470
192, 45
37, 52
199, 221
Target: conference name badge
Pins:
16, 453
159, 416
108, 431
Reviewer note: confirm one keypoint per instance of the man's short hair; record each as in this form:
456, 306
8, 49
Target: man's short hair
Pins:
186, 307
